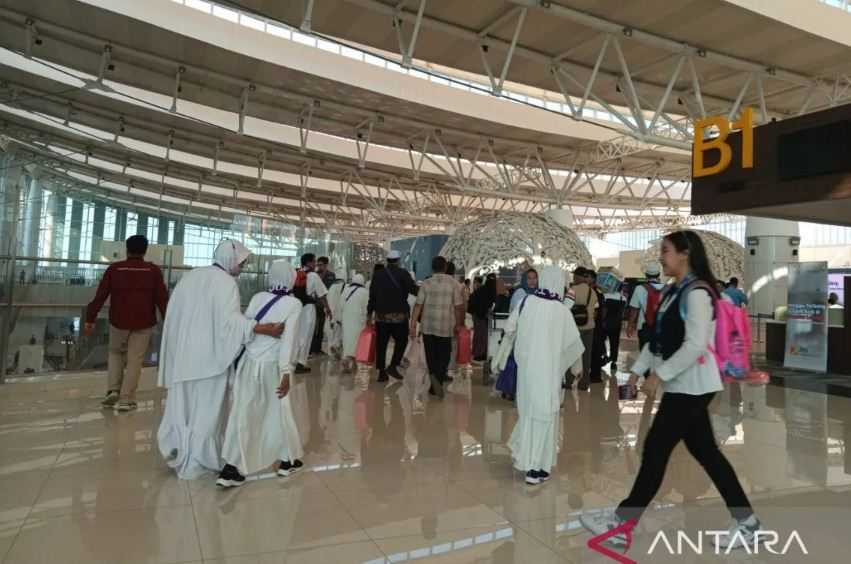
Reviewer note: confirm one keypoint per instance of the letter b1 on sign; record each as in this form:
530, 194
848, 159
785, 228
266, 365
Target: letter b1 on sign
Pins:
702, 145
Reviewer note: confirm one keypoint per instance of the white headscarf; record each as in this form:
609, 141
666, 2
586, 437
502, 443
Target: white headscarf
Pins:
230, 254
552, 279
358, 279
281, 275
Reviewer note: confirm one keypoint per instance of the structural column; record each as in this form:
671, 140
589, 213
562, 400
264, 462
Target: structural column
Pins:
32, 218
120, 224
98, 229
771, 244
162, 231
142, 224
179, 230
76, 234
58, 206
10, 204
9, 214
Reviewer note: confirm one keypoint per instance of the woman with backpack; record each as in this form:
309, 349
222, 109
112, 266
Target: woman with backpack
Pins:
679, 358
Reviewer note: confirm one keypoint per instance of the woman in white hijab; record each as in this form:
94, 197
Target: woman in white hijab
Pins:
203, 332
547, 343
355, 301
261, 429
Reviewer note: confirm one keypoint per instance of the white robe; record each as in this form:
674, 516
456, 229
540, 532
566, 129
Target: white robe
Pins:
307, 322
203, 332
546, 345
261, 428
333, 327
355, 301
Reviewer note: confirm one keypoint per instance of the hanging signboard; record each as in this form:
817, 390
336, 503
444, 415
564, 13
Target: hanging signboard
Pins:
806, 326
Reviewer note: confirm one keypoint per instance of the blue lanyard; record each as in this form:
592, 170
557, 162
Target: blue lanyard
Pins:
673, 297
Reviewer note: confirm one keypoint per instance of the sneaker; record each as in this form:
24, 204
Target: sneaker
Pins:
741, 534
301, 369
533, 478
543, 476
287, 468
111, 399
392, 371
601, 522
230, 477
125, 405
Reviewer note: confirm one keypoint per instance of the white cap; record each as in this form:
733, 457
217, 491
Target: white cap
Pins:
652, 269
394, 255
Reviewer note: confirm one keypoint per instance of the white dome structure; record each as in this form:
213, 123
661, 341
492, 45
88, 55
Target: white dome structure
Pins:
726, 257
506, 240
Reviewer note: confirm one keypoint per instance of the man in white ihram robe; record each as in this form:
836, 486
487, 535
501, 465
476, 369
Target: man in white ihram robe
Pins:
203, 333
547, 343
317, 291
354, 314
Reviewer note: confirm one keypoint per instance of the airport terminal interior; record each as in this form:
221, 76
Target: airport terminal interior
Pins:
323, 153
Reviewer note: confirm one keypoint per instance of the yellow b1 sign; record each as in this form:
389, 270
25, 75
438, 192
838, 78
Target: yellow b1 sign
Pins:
701, 145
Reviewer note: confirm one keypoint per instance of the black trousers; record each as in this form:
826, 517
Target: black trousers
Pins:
319, 330
598, 351
683, 417
438, 351
613, 335
383, 333
644, 336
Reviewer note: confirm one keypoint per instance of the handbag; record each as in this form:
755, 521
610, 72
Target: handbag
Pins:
465, 346
506, 345
365, 352
415, 353
580, 312
507, 382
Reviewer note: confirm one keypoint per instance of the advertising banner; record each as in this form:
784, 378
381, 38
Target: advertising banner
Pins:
806, 328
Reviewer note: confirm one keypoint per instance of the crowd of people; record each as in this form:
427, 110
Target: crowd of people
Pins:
228, 372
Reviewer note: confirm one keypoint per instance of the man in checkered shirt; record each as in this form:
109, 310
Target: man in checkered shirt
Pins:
441, 303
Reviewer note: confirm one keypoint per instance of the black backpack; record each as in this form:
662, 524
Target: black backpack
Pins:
580, 312
300, 288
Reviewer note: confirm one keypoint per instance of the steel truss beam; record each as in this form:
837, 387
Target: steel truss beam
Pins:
401, 222
473, 175
644, 119
201, 78
521, 180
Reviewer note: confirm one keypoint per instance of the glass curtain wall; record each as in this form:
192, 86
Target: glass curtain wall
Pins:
55, 244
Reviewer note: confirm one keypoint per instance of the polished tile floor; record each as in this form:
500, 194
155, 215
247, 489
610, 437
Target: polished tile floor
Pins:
395, 476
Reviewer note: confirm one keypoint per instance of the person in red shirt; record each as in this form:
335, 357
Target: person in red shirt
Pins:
136, 290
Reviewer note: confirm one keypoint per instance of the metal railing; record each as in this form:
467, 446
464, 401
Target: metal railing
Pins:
43, 302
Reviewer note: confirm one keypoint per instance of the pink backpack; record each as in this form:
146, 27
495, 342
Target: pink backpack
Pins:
732, 340
732, 350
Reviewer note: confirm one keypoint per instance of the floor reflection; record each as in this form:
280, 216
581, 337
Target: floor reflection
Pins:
395, 474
